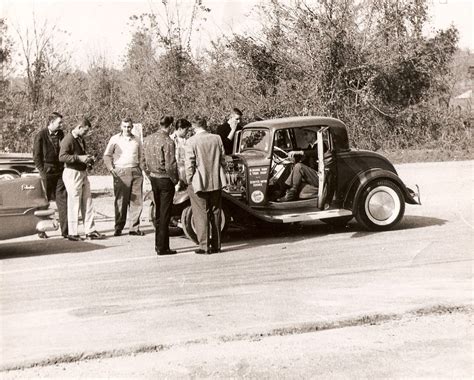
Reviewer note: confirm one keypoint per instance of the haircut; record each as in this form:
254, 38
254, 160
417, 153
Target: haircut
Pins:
54, 116
236, 111
166, 121
127, 120
85, 122
200, 122
183, 124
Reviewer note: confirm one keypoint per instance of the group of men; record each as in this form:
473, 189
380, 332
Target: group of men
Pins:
63, 162
191, 155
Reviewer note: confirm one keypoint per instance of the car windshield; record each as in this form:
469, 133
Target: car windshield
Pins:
255, 139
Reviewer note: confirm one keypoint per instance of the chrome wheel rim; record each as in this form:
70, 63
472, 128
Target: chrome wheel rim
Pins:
382, 205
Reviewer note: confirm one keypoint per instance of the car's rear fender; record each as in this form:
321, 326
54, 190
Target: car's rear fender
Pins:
362, 179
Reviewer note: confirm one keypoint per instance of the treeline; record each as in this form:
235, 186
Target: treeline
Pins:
367, 62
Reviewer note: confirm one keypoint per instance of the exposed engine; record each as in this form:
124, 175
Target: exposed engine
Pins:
236, 176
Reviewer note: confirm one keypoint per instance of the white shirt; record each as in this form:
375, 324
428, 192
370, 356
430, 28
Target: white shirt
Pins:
124, 151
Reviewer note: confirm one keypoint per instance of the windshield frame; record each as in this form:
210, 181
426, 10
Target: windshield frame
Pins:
267, 144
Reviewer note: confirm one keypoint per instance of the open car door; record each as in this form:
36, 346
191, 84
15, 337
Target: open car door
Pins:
326, 168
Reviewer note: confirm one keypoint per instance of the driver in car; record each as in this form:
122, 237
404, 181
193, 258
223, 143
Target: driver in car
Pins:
305, 170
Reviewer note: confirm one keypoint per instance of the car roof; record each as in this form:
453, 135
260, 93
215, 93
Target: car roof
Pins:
337, 127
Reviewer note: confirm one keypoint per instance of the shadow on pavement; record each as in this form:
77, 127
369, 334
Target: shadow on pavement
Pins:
408, 223
45, 247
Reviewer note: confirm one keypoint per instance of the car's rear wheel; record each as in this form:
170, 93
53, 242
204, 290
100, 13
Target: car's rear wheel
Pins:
381, 206
187, 221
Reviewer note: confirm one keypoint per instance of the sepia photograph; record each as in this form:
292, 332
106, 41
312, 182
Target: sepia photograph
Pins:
236, 189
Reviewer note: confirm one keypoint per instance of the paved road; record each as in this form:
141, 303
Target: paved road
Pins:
108, 298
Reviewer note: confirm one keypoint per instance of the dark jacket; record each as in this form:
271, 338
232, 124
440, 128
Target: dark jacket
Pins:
70, 149
223, 131
160, 159
45, 153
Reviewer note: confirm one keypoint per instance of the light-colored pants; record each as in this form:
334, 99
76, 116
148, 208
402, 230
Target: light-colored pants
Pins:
78, 198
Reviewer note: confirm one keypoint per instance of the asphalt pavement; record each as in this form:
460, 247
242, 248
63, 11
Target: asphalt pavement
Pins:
67, 301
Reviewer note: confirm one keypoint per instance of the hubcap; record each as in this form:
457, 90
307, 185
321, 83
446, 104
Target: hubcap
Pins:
382, 205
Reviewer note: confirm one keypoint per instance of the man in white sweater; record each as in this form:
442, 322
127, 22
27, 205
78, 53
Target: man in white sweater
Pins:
123, 158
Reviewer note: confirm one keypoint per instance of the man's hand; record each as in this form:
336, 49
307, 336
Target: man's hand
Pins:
233, 123
83, 158
114, 173
294, 153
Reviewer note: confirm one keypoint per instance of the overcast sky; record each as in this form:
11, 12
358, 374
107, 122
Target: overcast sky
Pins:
102, 27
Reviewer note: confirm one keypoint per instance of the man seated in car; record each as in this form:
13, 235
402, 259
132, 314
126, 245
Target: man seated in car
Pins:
305, 170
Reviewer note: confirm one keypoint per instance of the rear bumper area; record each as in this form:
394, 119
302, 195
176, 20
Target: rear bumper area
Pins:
47, 221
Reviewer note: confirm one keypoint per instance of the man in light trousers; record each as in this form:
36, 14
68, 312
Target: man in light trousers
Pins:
73, 153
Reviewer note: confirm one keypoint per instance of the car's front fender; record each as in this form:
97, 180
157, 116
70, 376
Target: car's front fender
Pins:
362, 179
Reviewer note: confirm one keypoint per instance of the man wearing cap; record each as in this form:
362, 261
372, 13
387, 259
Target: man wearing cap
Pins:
122, 157
304, 171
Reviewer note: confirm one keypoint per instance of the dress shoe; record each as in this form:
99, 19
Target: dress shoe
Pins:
167, 252
74, 238
201, 252
136, 233
94, 235
118, 233
215, 250
42, 235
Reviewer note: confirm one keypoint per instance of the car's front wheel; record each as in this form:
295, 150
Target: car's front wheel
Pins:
188, 224
381, 206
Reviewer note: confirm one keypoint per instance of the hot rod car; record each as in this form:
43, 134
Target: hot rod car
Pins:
352, 183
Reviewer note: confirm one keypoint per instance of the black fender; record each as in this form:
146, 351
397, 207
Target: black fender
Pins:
362, 179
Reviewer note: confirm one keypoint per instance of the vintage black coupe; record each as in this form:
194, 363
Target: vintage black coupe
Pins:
352, 183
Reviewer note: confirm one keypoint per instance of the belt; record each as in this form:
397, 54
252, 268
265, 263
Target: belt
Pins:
159, 175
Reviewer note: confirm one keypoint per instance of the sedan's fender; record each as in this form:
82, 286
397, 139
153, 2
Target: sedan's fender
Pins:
361, 180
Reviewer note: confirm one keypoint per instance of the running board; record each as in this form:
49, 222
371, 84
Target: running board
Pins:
316, 215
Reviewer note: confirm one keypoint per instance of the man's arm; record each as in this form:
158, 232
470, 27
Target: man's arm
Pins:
108, 155
171, 166
189, 162
66, 152
38, 152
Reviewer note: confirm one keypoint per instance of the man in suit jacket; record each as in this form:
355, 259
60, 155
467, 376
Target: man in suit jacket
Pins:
46, 157
305, 170
204, 160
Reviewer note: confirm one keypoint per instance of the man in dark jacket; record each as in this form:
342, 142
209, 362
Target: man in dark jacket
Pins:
227, 130
162, 170
73, 154
46, 157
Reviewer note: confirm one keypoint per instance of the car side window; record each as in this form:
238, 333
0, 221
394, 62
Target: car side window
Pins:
283, 139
